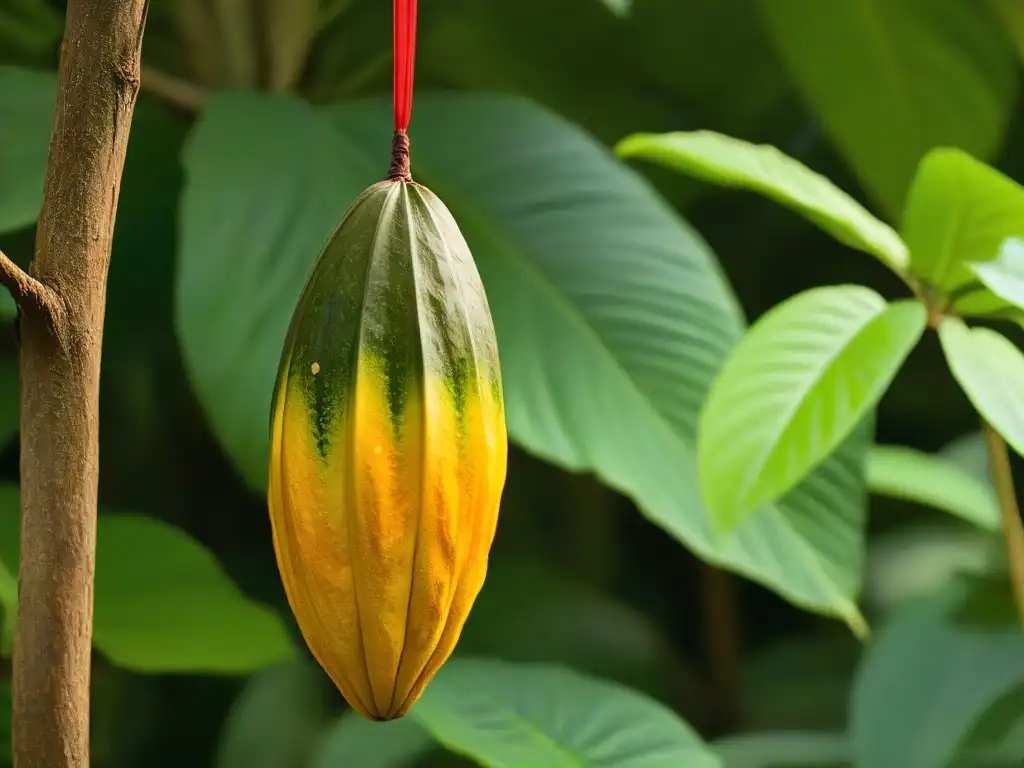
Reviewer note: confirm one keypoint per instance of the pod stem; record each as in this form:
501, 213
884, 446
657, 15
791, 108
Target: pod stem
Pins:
1013, 528
399, 170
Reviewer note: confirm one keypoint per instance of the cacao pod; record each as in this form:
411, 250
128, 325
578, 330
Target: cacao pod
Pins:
388, 447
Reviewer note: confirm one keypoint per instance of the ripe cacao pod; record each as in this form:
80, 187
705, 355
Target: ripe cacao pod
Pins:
388, 447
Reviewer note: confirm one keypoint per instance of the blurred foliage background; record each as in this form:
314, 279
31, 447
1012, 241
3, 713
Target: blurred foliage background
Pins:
259, 120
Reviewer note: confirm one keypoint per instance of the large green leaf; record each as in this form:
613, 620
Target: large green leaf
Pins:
611, 314
162, 602
959, 211
516, 715
926, 683
26, 111
890, 80
733, 162
794, 388
905, 473
990, 370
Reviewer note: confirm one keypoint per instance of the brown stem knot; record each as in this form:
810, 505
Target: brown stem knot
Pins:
399, 170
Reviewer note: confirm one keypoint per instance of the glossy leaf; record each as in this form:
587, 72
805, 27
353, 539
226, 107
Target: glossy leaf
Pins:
891, 113
905, 473
611, 313
26, 112
794, 388
925, 684
959, 211
163, 604
1005, 275
732, 162
990, 370
514, 715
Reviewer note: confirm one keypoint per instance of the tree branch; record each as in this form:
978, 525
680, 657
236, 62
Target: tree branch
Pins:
98, 81
25, 289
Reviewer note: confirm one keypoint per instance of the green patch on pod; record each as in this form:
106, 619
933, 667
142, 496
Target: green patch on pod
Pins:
388, 445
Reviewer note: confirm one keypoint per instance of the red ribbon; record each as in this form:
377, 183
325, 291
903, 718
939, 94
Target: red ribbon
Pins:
405, 61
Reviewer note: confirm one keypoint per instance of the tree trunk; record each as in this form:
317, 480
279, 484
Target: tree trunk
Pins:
62, 304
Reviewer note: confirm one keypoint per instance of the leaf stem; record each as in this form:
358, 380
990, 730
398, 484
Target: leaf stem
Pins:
1013, 527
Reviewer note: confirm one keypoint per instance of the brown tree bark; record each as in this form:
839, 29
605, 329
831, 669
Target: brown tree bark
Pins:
62, 304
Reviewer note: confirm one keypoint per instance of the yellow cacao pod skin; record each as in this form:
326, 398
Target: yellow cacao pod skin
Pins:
388, 448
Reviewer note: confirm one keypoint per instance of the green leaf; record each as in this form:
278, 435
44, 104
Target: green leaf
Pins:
276, 719
163, 604
795, 387
357, 741
905, 473
1005, 275
26, 112
515, 715
732, 162
612, 315
959, 211
990, 370
786, 749
869, 68
925, 683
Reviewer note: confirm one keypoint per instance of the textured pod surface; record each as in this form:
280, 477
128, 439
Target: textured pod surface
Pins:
388, 448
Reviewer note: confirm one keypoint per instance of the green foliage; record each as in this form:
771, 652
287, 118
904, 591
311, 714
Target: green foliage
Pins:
276, 719
503, 715
928, 479
1004, 275
788, 749
163, 603
625, 356
24, 140
731, 162
393, 744
991, 371
604, 341
959, 211
794, 388
887, 116
926, 681
506, 715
